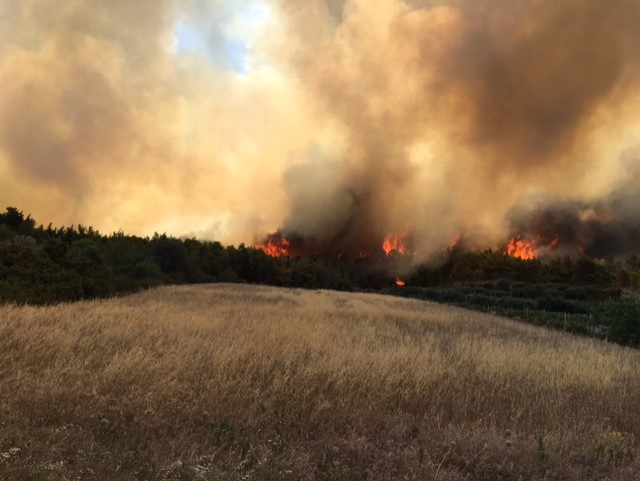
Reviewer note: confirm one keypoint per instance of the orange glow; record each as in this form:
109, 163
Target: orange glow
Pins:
522, 249
554, 243
395, 243
275, 247
400, 283
526, 250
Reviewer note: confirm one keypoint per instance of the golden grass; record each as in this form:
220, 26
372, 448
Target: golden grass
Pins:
229, 382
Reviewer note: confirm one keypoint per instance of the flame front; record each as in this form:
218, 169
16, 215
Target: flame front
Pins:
275, 247
554, 243
522, 249
400, 283
395, 243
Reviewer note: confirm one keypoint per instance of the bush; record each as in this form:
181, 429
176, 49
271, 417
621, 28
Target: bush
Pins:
170, 254
521, 304
6, 233
623, 317
450, 295
614, 293
559, 304
516, 303
83, 252
481, 300
576, 293
146, 269
527, 291
553, 293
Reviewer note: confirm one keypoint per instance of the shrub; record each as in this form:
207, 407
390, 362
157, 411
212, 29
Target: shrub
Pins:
6, 233
450, 295
623, 317
576, 293
148, 268
481, 300
559, 304
518, 303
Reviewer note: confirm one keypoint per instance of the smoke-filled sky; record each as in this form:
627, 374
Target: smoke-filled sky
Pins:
337, 121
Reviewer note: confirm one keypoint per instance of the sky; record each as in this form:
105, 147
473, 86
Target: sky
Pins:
336, 121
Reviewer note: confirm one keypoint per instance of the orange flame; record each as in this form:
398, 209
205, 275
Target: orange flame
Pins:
526, 250
400, 283
395, 243
522, 249
275, 247
455, 242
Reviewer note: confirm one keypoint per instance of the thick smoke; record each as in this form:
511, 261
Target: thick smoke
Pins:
104, 121
346, 122
455, 112
602, 228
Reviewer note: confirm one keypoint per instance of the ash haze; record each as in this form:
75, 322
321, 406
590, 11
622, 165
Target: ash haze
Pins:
336, 122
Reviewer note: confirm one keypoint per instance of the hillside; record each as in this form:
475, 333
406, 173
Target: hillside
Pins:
594, 297
230, 382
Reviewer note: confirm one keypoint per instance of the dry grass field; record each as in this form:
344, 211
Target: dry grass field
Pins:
230, 382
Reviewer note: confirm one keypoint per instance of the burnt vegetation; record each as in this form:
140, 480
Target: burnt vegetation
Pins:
48, 265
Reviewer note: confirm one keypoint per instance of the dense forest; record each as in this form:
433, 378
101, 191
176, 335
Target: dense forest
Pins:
41, 265
45, 264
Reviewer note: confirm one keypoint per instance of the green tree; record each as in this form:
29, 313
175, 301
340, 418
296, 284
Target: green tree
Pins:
169, 254
624, 318
12, 217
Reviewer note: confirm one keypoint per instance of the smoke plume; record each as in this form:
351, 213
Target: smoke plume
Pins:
601, 228
335, 123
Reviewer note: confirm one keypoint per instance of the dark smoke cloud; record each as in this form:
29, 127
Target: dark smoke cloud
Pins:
351, 121
454, 112
602, 228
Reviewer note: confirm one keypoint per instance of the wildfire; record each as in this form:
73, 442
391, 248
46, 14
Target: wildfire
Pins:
554, 243
275, 247
395, 243
455, 242
526, 250
522, 249
400, 283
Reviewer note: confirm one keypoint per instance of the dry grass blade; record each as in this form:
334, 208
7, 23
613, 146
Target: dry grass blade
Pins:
237, 382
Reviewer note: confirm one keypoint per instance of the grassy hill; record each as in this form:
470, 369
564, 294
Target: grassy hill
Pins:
231, 382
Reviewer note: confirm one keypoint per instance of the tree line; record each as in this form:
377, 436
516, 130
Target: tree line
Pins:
40, 265
44, 265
